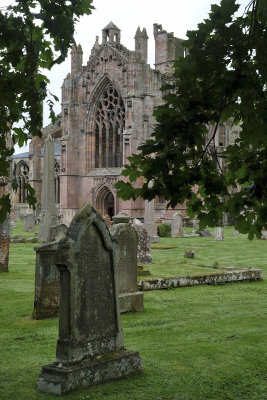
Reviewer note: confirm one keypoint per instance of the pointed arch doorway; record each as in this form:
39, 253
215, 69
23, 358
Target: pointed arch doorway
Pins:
105, 203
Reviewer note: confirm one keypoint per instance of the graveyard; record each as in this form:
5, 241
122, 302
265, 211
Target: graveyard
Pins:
201, 342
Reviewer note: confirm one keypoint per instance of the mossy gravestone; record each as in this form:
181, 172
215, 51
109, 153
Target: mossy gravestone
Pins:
130, 298
90, 348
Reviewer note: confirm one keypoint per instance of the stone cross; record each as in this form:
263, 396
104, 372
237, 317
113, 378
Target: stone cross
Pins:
219, 234
48, 215
131, 299
177, 225
90, 348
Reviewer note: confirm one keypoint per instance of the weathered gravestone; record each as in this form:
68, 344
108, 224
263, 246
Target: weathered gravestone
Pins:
48, 215
4, 244
150, 222
90, 348
264, 235
177, 225
189, 254
46, 297
131, 299
205, 233
219, 234
17, 214
29, 223
57, 232
143, 246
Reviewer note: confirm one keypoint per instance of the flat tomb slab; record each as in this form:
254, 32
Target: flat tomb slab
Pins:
60, 379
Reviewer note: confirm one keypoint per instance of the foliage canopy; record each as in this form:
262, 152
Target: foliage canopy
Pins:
222, 79
35, 35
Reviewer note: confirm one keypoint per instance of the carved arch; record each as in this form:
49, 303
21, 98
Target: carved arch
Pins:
22, 177
105, 201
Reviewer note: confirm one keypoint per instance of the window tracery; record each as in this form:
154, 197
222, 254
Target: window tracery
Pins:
109, 126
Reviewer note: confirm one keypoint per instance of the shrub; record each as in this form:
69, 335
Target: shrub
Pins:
164, 230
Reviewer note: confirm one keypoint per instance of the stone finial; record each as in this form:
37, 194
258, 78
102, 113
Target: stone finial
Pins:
138, 33
144, 33
76, 59
141, 43
96, 45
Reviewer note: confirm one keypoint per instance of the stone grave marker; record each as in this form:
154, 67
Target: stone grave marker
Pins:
177, 225
46, 295
143, 246
57, 232
131, 299
189, 254
17, 214
264, 234
150, 222
48, 215
29, 223
4, 244
90, 348
219, 234
205, 233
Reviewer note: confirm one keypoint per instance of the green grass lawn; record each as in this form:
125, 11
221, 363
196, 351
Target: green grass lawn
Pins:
197, 343
233, 251
18, 230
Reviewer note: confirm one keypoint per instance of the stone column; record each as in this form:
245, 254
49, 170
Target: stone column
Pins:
48, 216
35, 166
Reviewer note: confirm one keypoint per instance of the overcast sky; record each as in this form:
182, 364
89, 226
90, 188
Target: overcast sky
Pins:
175, 16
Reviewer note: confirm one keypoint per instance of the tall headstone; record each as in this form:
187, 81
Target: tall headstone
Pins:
29, 223
149, 221
219, 234
177, 225
48, 215
5, 229
90, 348
4, 244
143, 244
131, 299
17, 214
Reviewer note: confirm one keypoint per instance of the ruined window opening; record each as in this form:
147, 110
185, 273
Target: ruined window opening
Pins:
22, 176
109, 126
57, 182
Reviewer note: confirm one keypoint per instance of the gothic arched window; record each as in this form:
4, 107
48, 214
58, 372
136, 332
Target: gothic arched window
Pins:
57, 182
22, 176
109, 126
